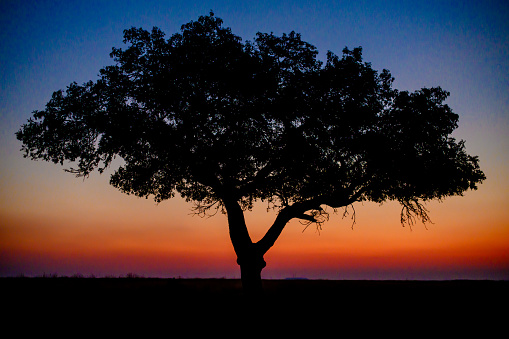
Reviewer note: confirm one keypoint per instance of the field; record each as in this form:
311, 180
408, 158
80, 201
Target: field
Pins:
461, 304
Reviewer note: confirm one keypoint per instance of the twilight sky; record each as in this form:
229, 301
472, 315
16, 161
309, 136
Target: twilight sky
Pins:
51, 222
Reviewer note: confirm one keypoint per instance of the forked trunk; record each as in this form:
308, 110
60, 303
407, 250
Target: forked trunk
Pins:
249, 254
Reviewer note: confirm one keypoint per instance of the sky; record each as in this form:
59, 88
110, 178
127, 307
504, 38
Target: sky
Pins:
54, 223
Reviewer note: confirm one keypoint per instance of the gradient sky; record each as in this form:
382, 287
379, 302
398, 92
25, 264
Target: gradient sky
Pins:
51, 222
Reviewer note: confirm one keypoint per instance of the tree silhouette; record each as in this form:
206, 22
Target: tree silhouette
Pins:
225, 123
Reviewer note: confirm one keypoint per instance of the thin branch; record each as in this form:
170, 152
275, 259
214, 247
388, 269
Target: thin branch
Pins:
317, 216
202, 210
346, 213
411, 210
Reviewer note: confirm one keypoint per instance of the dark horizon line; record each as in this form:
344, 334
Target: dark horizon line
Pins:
141, 277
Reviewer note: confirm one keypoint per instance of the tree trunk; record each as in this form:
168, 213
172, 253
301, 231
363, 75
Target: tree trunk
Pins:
249, 256
251, 267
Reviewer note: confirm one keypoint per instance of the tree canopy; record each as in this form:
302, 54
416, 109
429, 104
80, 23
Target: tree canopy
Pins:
225, 123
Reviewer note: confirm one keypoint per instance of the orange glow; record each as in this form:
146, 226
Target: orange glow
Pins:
90, 228
164, 240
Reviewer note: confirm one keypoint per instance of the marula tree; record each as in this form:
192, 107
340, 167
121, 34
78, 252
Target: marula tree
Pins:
225, 123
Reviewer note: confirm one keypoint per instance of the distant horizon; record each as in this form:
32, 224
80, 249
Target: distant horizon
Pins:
128, 276
366, 274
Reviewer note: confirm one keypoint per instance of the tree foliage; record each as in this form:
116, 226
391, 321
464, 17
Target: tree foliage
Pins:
215, 119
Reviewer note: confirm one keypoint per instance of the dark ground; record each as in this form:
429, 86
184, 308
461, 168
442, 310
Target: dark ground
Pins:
459, 306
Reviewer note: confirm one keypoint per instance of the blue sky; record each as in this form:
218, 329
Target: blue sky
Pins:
459, 45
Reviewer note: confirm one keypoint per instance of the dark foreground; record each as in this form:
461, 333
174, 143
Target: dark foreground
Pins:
365, 305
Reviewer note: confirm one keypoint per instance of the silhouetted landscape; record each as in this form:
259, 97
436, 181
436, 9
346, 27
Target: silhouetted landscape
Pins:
295, 118
226, 123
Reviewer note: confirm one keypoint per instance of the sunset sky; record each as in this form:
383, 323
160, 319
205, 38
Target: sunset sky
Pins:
52, 222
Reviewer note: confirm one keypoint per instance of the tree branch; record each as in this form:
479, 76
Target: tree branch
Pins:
309, 218
239, 234
298, 210
202, 209
412, 209
345, 214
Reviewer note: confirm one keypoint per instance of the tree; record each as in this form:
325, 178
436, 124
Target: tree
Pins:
225, 123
